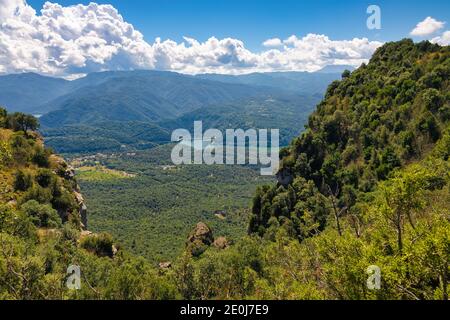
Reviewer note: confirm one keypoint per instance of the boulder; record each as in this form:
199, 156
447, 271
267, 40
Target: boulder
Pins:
199, 239
221, 243
165, 265
202, 233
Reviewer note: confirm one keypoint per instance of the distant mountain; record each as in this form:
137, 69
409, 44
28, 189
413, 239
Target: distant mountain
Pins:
298, 82
336, 69
24, 92
110, 111
33, 93
143, 96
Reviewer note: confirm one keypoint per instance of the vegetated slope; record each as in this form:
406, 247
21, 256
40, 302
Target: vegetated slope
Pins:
109, 136
41, 230
380, 117
115, 100
24, 92
286, 114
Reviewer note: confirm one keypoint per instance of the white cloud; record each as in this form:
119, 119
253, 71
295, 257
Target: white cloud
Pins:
66, 40
443, 40
274, 42
427, 27
71, 41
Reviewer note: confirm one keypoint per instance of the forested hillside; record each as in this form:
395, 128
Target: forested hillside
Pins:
365, 187
43, 229
382, 116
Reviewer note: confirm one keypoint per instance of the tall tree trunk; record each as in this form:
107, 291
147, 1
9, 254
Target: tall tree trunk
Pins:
338, 223
399, 236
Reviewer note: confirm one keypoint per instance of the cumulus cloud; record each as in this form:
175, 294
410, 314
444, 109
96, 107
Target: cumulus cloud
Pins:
274, 42
443, 40
427, 27
69, 41
66, 40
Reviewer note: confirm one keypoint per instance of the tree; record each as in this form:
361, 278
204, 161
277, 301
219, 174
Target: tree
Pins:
346, 74
41, 157
337, 212
3, 117
403, 195
22, 122
432, 99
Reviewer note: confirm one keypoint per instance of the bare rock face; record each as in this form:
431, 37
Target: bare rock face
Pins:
68, 173
82, 210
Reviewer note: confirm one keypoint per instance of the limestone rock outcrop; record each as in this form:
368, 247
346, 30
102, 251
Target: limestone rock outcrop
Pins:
201, 238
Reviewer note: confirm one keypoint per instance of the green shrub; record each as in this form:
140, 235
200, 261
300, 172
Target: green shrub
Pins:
41, 157
43, 216
101, 245
22, 181
36, 192
44, 178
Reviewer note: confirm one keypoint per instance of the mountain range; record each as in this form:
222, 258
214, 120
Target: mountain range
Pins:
84, 114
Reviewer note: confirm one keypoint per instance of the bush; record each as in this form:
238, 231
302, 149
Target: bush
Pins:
43, 216
65, 201
44, 178
101, 245
36, 192
70, 232
41, 157
432, 99
22, 181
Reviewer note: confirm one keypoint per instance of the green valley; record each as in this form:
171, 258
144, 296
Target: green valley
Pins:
150, 206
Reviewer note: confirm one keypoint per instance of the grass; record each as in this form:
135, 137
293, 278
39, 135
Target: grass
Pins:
101, 173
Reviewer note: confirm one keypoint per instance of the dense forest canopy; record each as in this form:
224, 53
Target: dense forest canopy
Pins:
382, 116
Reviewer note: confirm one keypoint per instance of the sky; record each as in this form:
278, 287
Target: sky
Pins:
72, 37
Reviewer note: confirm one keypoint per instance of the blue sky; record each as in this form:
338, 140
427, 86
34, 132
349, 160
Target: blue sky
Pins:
70, 38
254, 21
